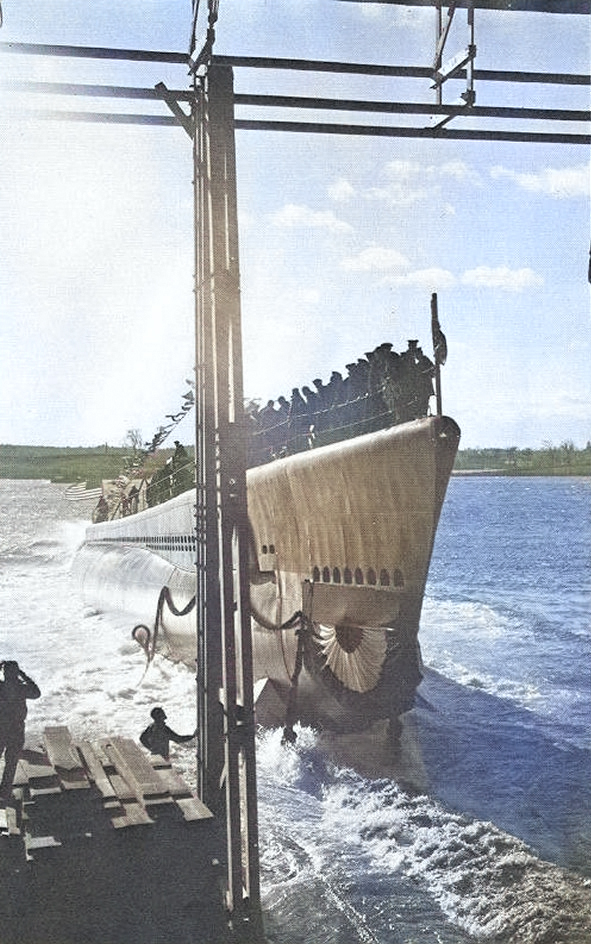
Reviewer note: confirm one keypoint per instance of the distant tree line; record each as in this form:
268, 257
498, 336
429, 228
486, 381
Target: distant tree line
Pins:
93, 464
564, 459
72, 464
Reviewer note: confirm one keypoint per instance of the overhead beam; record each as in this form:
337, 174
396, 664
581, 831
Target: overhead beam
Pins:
411, 108
507, 6
302, 127
454, 134
303, 102
408, 72
95, 52
95, 91
104, 118
305, 65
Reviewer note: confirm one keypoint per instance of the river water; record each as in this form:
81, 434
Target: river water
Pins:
481, 829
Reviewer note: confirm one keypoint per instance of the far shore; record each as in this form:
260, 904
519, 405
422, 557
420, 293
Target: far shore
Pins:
92, 465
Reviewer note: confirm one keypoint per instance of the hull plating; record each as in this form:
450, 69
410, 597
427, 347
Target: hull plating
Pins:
344, 533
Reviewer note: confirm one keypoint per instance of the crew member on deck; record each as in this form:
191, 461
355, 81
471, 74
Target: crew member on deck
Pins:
14, 691
183, 473
157, 736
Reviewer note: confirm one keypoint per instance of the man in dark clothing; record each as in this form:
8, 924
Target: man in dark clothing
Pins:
157, 736
14, 691
183, 472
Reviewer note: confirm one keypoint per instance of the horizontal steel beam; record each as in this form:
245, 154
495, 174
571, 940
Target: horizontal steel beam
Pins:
108, 118
408, 72
305, 102
443, 134
95, 52
508, 6
243, 124
411, 108
94, 91
307, 65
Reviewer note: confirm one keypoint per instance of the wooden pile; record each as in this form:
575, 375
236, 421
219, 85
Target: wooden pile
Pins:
104, 844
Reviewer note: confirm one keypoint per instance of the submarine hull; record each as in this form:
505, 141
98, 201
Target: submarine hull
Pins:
341, 540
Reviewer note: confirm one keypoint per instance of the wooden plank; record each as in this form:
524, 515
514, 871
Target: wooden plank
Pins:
193, 809
133, 814
41, 846
114, 804
173, 783
52, 789
7, 821
73, 779
11, 821
99, 749
133, 765
60, 748
20, 777
95, 770
159, 763
158, 801
123, 790
36, 773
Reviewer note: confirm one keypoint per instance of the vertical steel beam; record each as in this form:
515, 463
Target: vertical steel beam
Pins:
469, 95
209, 719
225, 676
438, 51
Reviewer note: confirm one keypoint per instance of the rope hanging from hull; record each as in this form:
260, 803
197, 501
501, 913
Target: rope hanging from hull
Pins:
289, 735
147, 638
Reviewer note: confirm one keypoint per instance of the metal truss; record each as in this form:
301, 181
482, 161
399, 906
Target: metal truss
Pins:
461, 66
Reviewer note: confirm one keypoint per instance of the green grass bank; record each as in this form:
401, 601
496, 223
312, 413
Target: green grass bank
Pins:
93, 464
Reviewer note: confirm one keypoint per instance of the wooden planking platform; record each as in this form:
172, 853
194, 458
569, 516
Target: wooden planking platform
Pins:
115, 770
102, 842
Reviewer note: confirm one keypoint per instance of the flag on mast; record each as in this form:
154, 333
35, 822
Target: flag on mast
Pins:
439, 342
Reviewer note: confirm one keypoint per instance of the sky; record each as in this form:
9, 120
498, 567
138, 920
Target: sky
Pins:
342, 238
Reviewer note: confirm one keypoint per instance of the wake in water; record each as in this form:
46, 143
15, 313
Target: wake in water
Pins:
376, 859
478, 831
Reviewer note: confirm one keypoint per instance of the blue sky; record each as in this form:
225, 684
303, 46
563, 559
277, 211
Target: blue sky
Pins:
342, 239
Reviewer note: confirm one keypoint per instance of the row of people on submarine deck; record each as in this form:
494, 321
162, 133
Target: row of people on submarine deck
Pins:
382, 389
176, 476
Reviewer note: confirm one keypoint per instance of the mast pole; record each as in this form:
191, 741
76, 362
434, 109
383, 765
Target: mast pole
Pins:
437, 351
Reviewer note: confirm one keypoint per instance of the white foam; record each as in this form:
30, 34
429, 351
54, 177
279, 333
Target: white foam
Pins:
484, 880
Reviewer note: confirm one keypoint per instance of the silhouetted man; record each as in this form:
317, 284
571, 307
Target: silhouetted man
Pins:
14, 691
157, 736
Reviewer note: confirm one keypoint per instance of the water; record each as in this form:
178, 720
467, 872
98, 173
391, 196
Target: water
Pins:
481, 830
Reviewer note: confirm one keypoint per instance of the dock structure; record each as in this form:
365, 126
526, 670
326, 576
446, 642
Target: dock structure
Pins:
104, 844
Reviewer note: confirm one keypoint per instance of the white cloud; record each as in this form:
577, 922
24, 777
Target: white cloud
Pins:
375, 259
341, 191
410, 182
429, 279
296, 216
558, 182
510, 280
460, 171
407, 184
399, 194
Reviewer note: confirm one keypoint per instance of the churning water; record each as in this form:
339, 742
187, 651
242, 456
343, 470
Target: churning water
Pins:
481, 829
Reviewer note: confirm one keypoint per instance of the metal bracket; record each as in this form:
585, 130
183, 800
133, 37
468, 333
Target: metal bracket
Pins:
187, 121
450, 69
